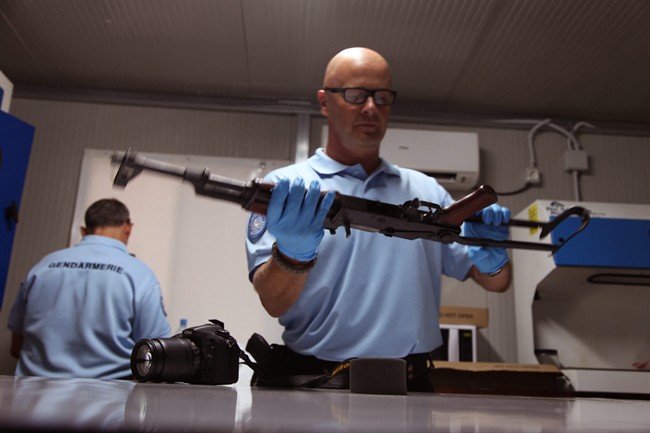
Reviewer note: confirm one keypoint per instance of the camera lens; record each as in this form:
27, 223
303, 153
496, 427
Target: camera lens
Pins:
173, 359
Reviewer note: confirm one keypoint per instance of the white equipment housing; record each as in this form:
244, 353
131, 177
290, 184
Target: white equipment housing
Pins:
452, 158
587, 308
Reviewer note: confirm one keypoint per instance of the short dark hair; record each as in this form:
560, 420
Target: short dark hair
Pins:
106, 212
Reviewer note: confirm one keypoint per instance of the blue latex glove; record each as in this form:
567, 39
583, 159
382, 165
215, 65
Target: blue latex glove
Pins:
489, 259
296, 219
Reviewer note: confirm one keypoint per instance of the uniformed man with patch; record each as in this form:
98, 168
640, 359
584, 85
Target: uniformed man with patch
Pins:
81, 310
366, 295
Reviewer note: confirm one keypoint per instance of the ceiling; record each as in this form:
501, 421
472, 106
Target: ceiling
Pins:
573, 60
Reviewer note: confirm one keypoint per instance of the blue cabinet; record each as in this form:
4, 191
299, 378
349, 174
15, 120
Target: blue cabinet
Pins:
15, 146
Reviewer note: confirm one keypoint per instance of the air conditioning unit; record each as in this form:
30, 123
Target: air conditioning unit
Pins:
451, 157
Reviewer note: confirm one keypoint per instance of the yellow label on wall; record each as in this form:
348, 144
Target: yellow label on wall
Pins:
533, 215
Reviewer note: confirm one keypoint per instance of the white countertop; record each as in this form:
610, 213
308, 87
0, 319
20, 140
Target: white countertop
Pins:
31, 403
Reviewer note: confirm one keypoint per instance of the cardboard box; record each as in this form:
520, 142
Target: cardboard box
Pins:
451, 315
498, 379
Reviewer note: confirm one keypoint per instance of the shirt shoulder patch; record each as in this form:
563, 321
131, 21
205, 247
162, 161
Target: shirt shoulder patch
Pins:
256, 226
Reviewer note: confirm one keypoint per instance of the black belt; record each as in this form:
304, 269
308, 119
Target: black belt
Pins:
286, 368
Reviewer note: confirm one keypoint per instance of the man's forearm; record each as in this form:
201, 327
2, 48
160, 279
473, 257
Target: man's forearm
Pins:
495, 283
278, 289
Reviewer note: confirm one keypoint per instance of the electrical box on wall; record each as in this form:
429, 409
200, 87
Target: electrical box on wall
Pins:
451, 157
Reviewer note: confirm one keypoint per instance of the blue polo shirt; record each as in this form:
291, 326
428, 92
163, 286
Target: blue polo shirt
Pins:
368, 295
82, 309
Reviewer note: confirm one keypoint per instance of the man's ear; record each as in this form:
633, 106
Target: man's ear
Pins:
323, 103
125, 232
83, 231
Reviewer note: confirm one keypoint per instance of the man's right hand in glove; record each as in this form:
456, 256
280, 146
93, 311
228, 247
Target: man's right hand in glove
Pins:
296, 218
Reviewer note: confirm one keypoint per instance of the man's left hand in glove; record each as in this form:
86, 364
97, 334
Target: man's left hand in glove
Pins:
489, 261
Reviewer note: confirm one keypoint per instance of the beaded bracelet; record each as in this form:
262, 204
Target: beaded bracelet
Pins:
288, 266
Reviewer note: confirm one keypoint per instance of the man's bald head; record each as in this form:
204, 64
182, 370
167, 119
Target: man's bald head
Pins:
352, 60
355, 128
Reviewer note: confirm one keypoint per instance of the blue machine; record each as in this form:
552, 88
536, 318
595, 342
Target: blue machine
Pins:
606, 242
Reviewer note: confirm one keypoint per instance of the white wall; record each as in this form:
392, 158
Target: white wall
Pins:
64, 130
194, 244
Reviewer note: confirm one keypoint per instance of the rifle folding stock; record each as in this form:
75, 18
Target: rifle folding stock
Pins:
414, 219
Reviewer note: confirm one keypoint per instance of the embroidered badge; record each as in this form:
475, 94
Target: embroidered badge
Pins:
256, 226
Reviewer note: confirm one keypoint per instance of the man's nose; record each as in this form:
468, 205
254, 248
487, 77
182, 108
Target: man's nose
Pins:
369, 106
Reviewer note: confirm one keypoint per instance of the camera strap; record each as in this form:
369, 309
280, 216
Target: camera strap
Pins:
319, 381
247, 360
277, 366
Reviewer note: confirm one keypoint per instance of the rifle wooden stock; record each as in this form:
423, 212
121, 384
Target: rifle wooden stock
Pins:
455, 214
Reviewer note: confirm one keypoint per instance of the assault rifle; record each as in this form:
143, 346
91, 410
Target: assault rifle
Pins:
415, 219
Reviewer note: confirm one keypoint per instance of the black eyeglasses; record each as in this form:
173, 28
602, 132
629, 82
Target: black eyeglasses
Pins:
359, 95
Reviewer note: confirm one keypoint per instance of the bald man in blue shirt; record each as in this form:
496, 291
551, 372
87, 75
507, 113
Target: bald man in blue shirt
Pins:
367, 295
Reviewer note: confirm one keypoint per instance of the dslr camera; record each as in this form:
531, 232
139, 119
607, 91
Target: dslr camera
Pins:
205, 354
